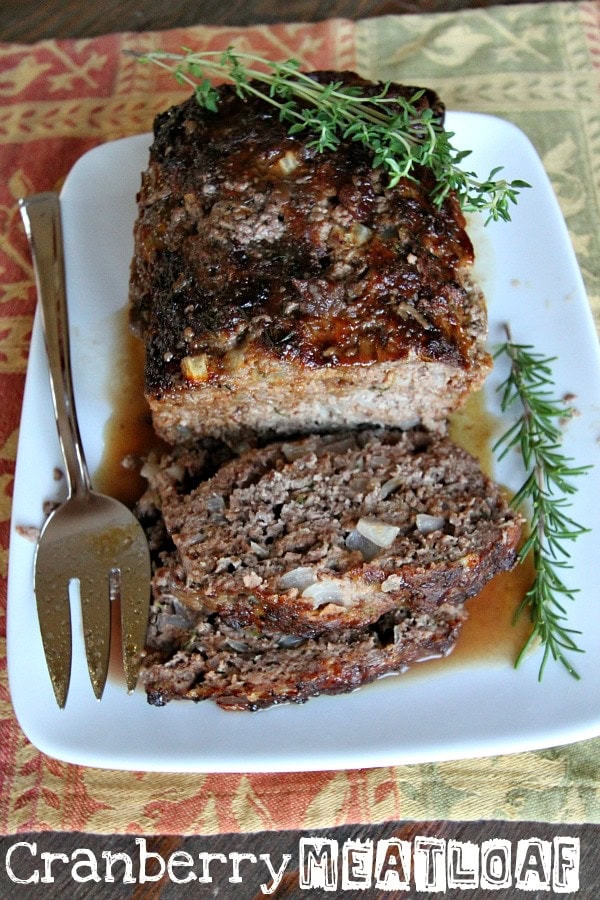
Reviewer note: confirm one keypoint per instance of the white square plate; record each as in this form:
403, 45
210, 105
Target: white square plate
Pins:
529, 273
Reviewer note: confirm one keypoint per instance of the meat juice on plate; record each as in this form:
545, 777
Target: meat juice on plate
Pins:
488, 635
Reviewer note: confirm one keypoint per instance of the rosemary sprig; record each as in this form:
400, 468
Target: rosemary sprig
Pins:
399, 134
546, 489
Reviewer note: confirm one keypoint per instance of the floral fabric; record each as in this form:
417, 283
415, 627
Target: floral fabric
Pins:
536, 65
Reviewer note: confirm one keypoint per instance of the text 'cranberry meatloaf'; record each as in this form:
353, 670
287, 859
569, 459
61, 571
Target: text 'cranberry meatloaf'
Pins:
280, 289
316, 565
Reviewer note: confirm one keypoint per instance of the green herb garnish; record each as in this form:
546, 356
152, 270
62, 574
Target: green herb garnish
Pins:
399, 134
547, 486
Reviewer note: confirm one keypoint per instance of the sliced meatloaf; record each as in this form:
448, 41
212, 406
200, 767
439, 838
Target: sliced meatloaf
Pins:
281, 290
192, 654
331, 532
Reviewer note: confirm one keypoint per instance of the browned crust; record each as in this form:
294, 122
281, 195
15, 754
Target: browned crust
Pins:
245, 271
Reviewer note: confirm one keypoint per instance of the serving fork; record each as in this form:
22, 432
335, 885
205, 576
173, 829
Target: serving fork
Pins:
90, 538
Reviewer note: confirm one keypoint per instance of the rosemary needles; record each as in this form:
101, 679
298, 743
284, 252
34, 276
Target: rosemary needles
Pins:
546, 489
401, 133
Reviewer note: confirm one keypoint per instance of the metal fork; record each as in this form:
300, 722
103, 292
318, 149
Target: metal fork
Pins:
90, 538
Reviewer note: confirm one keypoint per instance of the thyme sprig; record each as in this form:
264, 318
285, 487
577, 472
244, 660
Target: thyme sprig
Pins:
399, 134
546, 490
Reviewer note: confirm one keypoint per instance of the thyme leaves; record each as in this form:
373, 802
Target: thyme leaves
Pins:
401, 134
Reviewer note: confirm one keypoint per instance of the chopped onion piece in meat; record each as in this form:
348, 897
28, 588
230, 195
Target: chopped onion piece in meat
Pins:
300, 578
215, 503
381, 533
324, 592
238, 646
289, 641
357, 541
174, 620
289, 162
426, 523
359, 233
260, 551
390, 486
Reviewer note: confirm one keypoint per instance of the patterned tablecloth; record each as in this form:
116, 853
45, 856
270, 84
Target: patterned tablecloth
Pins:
538, 66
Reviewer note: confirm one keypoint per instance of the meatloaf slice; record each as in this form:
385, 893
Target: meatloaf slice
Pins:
333, 531
281, 290
192, 654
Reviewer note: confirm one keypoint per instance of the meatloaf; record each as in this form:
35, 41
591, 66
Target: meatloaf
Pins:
192, 654
333, 531
283, 290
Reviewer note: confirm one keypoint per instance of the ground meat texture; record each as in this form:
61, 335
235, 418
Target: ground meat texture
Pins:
282, 290
332, 532
192, 654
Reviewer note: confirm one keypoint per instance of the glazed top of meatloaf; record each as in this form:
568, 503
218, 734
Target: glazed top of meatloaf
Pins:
249, 242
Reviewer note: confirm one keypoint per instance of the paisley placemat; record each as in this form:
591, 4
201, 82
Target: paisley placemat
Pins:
537, 65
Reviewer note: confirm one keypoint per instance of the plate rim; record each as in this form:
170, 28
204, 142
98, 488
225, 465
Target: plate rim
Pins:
326, 757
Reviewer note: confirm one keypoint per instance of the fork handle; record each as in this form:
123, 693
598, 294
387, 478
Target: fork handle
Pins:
42, 220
